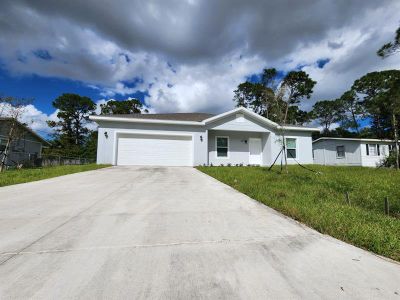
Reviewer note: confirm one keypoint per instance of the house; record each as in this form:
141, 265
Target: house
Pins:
239, 136
351, 151
26, 147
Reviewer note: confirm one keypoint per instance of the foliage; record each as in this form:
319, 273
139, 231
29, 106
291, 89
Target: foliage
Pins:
350, 110
275, 97
28, 175
380, 92
71, 131
318, 200
327, 112
391, 47
130, 106
73, 112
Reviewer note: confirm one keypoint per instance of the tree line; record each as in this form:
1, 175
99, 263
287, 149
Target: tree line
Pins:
370, 108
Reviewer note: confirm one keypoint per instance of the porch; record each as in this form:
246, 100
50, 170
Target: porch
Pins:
238, 147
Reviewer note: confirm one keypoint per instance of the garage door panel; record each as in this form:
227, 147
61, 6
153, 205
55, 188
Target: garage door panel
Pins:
154, 150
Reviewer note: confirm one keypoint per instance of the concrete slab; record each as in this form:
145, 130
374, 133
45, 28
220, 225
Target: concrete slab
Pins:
140, 232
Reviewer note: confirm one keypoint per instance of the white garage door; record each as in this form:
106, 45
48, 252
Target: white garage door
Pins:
154, 150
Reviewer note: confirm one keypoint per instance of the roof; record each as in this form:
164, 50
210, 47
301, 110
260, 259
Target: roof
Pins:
197, 119
353, 139
27, 129
194, 117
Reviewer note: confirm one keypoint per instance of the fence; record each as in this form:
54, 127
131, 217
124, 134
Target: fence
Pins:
28, 160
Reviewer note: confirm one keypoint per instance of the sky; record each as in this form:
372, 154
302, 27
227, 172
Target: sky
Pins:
184, 55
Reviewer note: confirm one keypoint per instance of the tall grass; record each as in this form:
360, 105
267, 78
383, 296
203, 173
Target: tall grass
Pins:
318, 200
26, 175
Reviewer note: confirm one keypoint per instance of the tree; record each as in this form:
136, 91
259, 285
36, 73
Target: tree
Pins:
277, 98
391, 47
327, 112
11, 109
381, 98
71, 129
351, 109
130, 106
274, 95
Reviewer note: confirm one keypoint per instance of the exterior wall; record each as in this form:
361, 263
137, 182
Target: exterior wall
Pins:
355, 153
106, 146
238, 150
234, 123
25, 147
374, 160
325, 152
303, 146
238, 127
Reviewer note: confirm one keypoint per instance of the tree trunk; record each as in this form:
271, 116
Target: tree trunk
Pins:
396, 140
7, 149
355, 122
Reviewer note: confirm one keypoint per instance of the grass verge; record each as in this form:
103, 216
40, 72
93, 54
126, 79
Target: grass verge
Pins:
319, 200
27, 175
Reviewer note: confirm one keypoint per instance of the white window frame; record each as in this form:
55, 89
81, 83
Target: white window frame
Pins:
227, 147
344, 152
297, 150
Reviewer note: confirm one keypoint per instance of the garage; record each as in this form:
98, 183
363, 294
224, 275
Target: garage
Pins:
154, 150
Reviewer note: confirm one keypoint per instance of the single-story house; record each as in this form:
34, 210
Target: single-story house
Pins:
26, 147
351, 151
239, 136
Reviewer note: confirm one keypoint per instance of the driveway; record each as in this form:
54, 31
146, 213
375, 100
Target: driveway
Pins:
175, 233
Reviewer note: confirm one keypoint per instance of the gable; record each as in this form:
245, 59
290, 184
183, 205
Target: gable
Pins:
238, 122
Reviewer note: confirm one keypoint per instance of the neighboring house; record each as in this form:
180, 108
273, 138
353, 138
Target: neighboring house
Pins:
239, 136
27, 145
351, 151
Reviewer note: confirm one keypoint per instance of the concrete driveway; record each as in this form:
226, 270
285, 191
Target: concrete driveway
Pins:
171, 233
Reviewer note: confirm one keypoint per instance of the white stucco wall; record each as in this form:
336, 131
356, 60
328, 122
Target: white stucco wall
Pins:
238, 127
105, 148
303, 146
238, 150
374, 160
325, 153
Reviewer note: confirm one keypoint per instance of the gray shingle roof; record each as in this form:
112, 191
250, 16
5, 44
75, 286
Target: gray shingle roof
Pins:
195, 117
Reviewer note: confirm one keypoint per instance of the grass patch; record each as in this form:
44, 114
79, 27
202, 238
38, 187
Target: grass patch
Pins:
27, 175
319, 201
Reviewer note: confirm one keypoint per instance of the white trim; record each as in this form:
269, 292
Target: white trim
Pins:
204, 122
147, 132
353, 139
216, 147
296, 149
150, 121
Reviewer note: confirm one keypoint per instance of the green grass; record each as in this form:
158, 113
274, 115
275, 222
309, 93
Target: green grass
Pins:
318, 200
26, 175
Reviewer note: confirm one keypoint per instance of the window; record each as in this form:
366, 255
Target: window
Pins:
340, 152
291, 148
372, 149
222, 146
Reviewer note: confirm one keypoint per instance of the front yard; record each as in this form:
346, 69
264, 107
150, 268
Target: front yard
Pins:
319, 200
26, 175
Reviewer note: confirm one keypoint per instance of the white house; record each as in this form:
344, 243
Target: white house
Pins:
351, 151
239, 136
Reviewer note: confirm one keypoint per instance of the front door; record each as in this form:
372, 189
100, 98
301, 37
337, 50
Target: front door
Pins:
255, 157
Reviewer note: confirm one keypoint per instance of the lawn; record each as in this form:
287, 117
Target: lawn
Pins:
26, 175
318, 200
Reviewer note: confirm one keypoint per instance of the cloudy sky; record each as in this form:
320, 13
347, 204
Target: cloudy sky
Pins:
184, 55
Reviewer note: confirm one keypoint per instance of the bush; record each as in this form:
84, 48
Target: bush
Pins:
390, 161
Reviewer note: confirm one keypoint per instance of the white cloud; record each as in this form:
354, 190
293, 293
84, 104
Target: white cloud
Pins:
190, 55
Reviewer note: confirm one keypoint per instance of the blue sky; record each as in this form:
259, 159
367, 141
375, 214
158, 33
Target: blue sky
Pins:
184, 56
